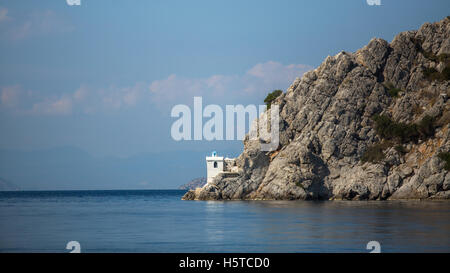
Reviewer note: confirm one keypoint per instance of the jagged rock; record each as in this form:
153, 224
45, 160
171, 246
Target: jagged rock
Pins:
326, 126
193, 184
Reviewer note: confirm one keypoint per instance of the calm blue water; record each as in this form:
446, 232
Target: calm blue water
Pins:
158, 221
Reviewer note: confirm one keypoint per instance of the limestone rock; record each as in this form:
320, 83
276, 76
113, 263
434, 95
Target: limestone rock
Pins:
326, 127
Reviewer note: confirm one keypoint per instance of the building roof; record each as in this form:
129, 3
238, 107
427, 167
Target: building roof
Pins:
214, 158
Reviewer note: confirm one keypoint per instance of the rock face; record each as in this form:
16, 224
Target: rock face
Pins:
327, 125
193, 184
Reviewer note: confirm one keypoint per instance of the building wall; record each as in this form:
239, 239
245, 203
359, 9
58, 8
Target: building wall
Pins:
211, 171
223, 165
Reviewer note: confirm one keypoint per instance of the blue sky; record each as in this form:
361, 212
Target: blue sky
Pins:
103, 76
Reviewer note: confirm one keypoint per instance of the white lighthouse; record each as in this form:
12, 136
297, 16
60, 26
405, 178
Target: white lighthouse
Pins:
218, 164
214, 165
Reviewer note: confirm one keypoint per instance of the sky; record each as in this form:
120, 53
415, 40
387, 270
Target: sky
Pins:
103, 76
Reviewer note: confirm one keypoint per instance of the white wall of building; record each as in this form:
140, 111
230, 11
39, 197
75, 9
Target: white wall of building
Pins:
213, 169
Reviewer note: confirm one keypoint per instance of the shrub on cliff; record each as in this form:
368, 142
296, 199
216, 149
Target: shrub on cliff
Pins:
271, 97
392, 90
446, 158
388, 129
446, 73
374, 153
399, 148
426, 127
432, 74
392, 132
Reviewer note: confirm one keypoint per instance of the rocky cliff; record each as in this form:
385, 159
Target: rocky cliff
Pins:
368, 125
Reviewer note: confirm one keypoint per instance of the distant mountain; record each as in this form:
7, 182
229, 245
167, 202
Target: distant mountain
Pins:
193, 184
69, 168
7, 186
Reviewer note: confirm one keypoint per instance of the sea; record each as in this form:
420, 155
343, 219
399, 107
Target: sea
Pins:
145, 221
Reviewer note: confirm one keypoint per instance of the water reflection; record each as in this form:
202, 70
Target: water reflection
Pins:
349, 225
214, 223
158, 221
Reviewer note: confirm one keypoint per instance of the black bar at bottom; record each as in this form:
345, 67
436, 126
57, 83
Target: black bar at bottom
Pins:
216, 262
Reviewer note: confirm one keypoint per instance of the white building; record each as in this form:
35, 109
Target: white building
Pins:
218, 164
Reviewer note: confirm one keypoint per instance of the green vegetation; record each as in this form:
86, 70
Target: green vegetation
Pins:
418, 44
388, 129
374, 153
399, 148
392, 90
299, 184
432, 74
396, 133
426, 127
445, 157
446, 73
443, 58
402, 132
271, 97
430, 56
